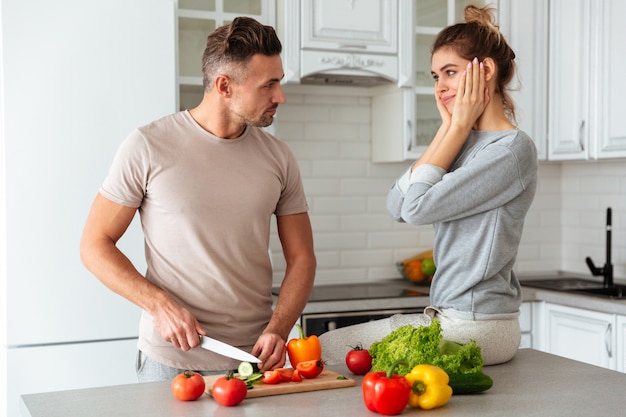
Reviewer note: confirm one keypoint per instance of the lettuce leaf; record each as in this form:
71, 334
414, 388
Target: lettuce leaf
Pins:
424, 344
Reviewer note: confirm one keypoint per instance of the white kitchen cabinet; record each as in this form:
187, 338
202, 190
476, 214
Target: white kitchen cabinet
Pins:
580, 334
570, 37
610, 86
525, 26
196, 20
347, 38
526, 325
620, 330
357, 25
586, 85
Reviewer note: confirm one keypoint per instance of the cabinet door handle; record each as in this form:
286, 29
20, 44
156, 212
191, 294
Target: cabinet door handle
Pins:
581, 135
607, 340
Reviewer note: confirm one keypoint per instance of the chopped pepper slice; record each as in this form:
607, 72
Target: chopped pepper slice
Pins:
429, 387
304, 348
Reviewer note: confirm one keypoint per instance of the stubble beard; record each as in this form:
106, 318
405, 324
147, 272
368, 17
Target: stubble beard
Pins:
263, 121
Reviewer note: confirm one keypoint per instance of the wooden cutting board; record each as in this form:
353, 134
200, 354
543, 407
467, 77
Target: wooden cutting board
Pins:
326, 380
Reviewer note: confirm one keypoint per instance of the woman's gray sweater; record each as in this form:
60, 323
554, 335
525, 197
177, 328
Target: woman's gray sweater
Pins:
478, 210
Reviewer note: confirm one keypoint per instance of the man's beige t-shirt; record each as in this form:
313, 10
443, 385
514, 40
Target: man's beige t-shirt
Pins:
206, 205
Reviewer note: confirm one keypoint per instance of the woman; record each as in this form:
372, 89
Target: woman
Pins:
474, 183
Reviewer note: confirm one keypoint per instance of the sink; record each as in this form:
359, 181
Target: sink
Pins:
563, 284
579, 286
615, 291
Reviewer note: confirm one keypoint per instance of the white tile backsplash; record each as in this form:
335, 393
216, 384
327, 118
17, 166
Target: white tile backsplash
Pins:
328, 130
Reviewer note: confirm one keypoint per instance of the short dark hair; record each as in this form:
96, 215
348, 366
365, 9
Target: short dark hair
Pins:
231, 46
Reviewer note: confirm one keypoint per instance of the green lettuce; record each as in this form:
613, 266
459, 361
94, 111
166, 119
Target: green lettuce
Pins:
425, 344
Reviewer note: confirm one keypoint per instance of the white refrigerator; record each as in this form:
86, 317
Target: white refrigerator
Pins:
76, 76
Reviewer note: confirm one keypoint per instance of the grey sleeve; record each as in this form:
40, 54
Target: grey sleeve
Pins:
426, 174
490, 180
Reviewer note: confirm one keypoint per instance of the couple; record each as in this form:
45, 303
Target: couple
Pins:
207, 181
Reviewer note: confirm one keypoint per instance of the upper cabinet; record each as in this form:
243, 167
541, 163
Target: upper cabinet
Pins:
586, 85
346, 41
196, 20
570, 39
530, 88
610, 129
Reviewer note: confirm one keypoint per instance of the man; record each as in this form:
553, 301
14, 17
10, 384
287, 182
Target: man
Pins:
206, 183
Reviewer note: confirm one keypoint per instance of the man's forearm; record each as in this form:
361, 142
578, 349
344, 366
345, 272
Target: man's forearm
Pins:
294, 294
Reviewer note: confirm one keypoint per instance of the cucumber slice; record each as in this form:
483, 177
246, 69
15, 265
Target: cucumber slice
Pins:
245, 369
254, 377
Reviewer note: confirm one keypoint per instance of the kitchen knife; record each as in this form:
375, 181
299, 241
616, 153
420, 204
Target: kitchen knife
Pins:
225, 349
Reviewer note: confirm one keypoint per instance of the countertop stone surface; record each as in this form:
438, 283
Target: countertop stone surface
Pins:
532, 384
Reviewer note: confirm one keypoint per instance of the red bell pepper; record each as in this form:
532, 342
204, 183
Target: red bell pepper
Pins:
386, 393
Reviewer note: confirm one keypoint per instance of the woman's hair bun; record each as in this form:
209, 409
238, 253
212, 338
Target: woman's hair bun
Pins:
481, 15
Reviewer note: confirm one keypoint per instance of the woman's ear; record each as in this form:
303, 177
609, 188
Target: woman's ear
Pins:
490, 68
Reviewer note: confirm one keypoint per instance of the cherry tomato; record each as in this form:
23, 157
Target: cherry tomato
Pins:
310, 369
188, 386
359, 360
229, 390
271, 377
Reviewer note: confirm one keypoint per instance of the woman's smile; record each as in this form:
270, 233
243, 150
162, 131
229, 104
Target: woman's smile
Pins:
448, 99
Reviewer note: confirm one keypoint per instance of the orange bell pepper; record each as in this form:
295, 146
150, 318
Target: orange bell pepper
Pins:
304, 348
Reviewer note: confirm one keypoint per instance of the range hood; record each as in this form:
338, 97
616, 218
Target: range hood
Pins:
347, 68
345, 80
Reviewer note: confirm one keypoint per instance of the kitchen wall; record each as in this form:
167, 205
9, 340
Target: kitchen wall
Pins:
328, 129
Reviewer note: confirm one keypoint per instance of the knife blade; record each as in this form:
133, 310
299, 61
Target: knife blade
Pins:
225, 349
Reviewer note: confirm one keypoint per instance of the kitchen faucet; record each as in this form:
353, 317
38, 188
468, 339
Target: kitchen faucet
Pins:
607, 270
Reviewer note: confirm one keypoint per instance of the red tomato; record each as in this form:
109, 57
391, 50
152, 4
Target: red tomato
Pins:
296, 377
359, 360
188, 386
229, 390
310, 369
271, 377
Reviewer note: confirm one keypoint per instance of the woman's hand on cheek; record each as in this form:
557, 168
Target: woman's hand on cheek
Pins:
472, 95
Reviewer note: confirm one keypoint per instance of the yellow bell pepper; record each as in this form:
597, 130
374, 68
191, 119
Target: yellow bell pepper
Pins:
429, 387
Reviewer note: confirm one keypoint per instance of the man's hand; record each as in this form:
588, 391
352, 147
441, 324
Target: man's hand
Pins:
177, 325
270, 349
